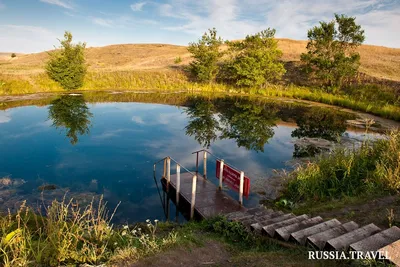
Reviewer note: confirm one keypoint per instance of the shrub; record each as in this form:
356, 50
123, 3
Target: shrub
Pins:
206, 55
67, 64
254, 61
331, 54
13, 55
178, 60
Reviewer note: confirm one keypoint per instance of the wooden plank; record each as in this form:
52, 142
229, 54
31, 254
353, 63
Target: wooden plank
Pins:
343, 242
270, 229
393, 252
285, 231
257, 227
377, 241
319, 240
301, 236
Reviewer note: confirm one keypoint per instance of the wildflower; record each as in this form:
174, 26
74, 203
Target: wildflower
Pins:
156, 221
147, 220
126, 227
139, 229
123, 233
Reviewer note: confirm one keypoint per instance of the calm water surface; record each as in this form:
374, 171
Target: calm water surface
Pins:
109, 148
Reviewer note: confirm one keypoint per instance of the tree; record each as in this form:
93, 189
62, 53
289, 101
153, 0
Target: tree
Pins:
254, 61
206, 54
331, 50
67, 64
13, 55
71, 113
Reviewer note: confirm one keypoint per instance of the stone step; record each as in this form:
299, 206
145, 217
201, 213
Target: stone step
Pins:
301, 236
270, 228
256, 219
256, 211
285, 231
344, 241
235, 214
392, 251
269, 216
319, 240
377, 241
257, 227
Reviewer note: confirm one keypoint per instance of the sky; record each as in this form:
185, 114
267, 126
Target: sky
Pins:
28, 26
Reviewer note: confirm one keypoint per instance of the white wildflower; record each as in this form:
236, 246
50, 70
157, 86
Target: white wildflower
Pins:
147, 220
126, 227
123, 233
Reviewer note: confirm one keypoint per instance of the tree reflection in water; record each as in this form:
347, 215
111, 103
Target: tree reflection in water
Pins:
250, 125
72, 113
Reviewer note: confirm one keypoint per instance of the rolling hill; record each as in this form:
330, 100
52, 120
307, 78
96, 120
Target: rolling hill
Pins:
376, 61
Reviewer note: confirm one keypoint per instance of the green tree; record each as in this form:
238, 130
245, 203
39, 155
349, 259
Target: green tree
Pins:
331, 50
67, 64
254, 61
71, 113
206, 53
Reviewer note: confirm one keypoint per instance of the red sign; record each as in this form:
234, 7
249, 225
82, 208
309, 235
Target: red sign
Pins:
232, 178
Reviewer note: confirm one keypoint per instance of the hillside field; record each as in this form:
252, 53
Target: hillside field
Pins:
376, 61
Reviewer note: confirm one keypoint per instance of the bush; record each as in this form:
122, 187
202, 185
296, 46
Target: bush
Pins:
67, 64
332, 55
13, 55
254, 61
178, 60
206, 55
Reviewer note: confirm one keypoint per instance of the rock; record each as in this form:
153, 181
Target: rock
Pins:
47, 187
5, 181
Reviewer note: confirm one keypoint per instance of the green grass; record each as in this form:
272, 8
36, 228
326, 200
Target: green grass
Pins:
372, 169
373, 99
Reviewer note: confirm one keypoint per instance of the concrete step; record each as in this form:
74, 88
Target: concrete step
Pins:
319, 240
301, 236
344, 241
256, 211
235, 214
270, 228
392, 251
377, 241
257, 227
285, 231
256, 219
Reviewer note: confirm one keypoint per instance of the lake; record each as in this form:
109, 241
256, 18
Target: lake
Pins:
106, 144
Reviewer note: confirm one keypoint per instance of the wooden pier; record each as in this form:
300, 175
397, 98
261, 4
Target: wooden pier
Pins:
194, 195
209, 200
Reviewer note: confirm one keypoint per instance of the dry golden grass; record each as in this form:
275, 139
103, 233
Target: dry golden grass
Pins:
376, 61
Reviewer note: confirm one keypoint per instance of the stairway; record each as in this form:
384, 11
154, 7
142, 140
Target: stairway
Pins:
320, 234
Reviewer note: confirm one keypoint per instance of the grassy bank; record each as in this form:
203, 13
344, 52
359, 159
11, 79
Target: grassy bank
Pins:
69, 235
373, 99
347, 177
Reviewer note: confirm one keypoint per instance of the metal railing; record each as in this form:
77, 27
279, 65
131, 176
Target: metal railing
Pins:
167, 176
221, 170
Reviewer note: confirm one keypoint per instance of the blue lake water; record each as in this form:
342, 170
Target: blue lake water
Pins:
114, 151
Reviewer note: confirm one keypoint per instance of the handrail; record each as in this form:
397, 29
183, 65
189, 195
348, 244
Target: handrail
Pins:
208, 152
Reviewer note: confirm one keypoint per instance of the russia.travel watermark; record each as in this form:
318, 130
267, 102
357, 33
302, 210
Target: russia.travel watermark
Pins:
351, 255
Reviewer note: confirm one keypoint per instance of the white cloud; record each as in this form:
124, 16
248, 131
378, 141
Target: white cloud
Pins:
102, 22
137, 119
138, 6
17, 36
291, 18
61, 3
4, 117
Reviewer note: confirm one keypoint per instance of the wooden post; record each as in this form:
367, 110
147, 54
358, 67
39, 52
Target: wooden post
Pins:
194, 184
241, 188
197, 162
205, 165
178, 184
221, 172
165, 168
168, 171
